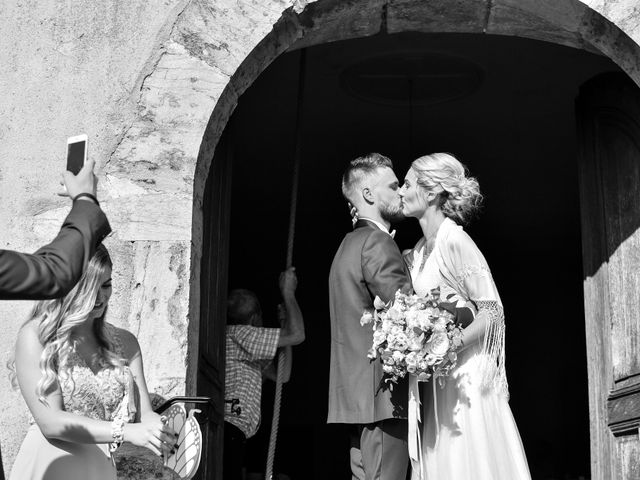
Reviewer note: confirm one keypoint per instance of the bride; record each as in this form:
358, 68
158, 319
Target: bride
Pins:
468, 431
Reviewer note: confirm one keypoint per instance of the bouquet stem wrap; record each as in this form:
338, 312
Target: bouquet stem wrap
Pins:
415, 442
415, 439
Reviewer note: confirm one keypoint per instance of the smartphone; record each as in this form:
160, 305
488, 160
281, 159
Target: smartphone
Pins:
76, 153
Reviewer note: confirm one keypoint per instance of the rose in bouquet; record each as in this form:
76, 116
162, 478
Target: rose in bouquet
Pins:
413, 334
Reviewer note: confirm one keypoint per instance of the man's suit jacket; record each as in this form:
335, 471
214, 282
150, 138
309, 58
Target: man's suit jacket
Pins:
54, 269
368, 263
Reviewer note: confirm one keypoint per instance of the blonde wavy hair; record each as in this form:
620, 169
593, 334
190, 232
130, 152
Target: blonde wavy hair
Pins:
58, 318
459, 194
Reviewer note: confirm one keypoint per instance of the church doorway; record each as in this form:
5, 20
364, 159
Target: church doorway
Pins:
505, 106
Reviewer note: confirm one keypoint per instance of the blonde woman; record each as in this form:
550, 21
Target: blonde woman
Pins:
468, 431
83, 382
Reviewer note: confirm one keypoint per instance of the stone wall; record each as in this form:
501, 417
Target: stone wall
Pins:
153, 83
73, 68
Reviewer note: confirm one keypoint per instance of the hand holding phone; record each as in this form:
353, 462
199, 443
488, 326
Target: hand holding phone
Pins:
84, 182
76, 153
79, 177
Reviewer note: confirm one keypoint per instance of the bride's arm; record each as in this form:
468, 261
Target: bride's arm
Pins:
474, 332
470, 272
471, 269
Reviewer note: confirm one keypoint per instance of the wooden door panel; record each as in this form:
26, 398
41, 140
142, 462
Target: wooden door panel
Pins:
620, 158
213, 294
596, 288
608, 110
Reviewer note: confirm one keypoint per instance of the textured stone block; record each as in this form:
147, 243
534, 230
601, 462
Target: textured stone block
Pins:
331, 21
547, 20
466, 16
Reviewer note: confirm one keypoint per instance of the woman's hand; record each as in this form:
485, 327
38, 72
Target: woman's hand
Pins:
151, 433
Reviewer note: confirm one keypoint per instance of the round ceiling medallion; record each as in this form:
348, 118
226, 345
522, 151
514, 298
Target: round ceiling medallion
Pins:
412, 78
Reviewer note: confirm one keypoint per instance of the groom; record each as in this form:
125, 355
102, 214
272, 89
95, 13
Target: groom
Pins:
367, 264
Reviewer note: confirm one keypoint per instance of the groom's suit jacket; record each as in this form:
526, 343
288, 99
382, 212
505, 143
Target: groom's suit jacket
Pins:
368, 263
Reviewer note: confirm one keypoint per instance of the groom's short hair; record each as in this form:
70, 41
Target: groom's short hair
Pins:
359, 169
242, 306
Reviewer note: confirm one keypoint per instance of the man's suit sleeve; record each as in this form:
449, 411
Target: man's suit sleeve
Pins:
383, 269
54, 269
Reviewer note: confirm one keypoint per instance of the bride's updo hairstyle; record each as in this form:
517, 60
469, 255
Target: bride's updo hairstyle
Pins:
458, 193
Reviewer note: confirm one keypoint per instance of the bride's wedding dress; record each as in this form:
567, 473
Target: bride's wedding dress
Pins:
468, 431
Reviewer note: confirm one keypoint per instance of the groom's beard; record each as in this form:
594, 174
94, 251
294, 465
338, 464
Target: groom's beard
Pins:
391, 213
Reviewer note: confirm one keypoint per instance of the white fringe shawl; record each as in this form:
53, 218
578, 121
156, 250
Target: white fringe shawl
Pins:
465, 269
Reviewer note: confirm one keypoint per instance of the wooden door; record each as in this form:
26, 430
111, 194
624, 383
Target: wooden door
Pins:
608, 111
213, 294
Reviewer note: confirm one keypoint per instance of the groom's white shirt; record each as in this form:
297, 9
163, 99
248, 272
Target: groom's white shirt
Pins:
379, 225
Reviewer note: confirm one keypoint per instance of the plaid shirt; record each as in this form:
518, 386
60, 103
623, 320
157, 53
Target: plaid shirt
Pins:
249, 351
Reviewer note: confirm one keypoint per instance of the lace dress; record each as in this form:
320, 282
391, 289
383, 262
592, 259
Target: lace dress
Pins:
468, 431
100, 396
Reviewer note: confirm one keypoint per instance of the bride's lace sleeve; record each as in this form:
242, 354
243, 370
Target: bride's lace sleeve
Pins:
475, 279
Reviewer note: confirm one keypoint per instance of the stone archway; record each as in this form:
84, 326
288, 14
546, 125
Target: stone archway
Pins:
215, 51
572, 23
193, 44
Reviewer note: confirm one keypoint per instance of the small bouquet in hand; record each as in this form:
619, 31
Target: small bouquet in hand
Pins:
413, 334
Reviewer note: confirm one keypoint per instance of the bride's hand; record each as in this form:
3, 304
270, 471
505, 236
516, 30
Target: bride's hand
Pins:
471, 306
151, 433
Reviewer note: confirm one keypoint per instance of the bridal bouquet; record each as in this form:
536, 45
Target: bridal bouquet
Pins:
413, 334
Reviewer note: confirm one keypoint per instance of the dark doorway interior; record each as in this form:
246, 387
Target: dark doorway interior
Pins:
513, 125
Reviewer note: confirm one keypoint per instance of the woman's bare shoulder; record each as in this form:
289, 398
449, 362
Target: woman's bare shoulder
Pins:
29, 333
28, 345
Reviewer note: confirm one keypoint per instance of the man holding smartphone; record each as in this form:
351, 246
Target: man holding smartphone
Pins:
54, 269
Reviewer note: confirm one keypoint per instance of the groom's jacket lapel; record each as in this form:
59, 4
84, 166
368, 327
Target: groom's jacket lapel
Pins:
367, 264
383, 267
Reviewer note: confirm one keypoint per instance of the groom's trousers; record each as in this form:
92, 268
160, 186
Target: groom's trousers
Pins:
379, 450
